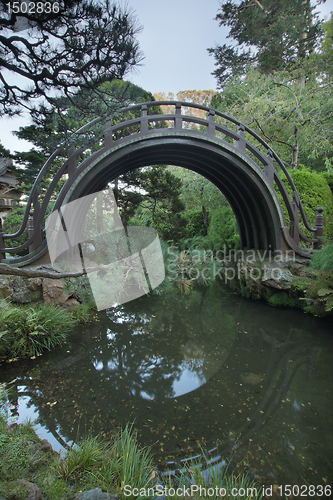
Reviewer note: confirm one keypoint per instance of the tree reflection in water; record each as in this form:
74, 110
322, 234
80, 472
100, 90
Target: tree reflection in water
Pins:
206, 368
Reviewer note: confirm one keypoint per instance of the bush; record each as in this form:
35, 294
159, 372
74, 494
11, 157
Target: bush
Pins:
223, 229
11, 225
323, 259
27, 332
314, 191
195, 224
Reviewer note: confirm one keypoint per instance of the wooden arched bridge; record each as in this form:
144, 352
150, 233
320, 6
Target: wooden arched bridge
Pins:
219, 147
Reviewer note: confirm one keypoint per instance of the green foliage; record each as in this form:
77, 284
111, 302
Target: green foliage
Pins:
314, 191
197, 191
195, 224
223, 229
130, 464
16, 452
11, 225
92, 463
83, 458
157, 203
282, 33
27, 332
323, 258
282, 299
290, 110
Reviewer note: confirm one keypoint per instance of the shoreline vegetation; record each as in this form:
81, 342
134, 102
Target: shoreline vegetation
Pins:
28, 329
121, 469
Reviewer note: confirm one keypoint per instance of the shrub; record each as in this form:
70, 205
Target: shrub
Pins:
323, 259
314, 191
27, 332
11, 225
282, 299
223, 229
195, 225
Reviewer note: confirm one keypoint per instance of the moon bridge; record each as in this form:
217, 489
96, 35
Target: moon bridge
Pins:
232, 156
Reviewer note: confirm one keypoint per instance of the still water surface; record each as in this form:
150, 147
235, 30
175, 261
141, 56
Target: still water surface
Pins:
206, 369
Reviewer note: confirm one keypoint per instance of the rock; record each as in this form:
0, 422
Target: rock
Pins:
300, 270
53, 292
35, 492
95, 494
25, 290
277, 278
71, 304
5, 288
34, 284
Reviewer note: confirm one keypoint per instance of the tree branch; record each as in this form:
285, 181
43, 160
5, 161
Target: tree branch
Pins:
45, 272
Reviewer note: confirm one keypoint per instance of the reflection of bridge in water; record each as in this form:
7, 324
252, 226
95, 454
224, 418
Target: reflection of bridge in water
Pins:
218, 147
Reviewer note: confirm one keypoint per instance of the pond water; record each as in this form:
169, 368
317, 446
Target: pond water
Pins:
207, 369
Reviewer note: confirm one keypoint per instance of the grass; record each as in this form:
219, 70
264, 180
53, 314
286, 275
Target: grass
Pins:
25, 332
323, 258
92, 463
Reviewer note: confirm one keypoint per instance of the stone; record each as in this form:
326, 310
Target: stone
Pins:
6, 289
35, 493
53, 292
95, 494
71, 304
22, 294
278, 278
34, 284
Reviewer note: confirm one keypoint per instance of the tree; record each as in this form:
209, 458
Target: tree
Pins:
152, 196
48, 130
295, 120
269, 34
77, 45
197, 96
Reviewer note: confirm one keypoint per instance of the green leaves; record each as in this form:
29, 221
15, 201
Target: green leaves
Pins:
26, 332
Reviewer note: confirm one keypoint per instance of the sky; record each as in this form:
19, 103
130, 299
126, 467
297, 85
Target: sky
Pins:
174, 42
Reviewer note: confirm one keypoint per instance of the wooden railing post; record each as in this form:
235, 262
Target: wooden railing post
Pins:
2, 243
71, 161
319, 229
108, 139
210, 129
178, 116
294, 223
31, 230
144, 119
269, 168
241, 144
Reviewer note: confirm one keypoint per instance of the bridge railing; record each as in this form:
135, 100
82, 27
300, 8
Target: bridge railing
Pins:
101, 133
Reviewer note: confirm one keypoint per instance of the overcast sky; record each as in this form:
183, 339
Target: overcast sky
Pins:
174, 41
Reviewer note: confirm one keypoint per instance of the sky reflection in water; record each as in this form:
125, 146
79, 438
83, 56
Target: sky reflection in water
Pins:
207, 368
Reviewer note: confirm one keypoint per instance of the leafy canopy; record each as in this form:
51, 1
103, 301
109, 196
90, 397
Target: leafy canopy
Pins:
272, 35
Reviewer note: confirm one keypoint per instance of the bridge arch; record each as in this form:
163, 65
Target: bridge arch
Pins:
238, 162
248, 192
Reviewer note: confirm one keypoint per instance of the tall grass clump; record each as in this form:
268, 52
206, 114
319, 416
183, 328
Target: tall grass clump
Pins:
86, 457
26, 332
130, 464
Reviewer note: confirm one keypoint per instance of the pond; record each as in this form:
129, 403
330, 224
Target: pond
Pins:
204, 370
